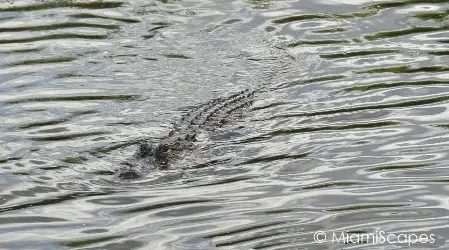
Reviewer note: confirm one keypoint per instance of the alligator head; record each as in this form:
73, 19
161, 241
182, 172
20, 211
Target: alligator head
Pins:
147, 157
151, 157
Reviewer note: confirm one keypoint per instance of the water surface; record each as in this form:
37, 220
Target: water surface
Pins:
350, 133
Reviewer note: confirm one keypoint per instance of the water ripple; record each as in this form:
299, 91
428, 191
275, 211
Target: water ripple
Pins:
347, 132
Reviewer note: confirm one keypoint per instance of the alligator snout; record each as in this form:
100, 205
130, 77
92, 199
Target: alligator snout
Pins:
127, 172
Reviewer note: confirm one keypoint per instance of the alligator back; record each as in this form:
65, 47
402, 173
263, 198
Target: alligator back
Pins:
204, 118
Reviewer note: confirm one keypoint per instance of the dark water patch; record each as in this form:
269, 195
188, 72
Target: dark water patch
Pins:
52, 168
365, 207
334, 184
21, 51
83, 112
52, 201
395, 84
210, 163
438, 16
72, 75
95, 231
163, 205
77, 98
103, 172
89, 15
398, 167
75, 160
161, 23
56, 121
8, 159
357, 53
176, 56
254, 59
334, 30
43, 61
446, 126
148, 36
29, 219
317, 42
325, 78
443, 41
167, 1
123, 123
21, 174
439, 53
56, 26
279, 211
406, 69
44, 5
64, 137
126, 55
303, 17
231, 21
395, 4
403, 32
90, 241
158, 26
274, 158
438, 181
67, 75
54, 37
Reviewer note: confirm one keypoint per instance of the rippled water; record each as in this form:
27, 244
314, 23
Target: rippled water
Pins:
349, 134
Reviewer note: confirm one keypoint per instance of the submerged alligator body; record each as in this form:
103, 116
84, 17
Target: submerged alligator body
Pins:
207, 117
204, 118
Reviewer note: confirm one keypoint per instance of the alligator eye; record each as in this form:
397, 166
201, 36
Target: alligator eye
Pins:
162, 148
128, 175
125, 163
145, 149
191, 137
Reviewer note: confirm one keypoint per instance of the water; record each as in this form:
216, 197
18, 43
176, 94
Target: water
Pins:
349, 134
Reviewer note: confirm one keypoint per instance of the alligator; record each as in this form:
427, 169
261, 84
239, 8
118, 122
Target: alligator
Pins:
207, 117
204, 118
